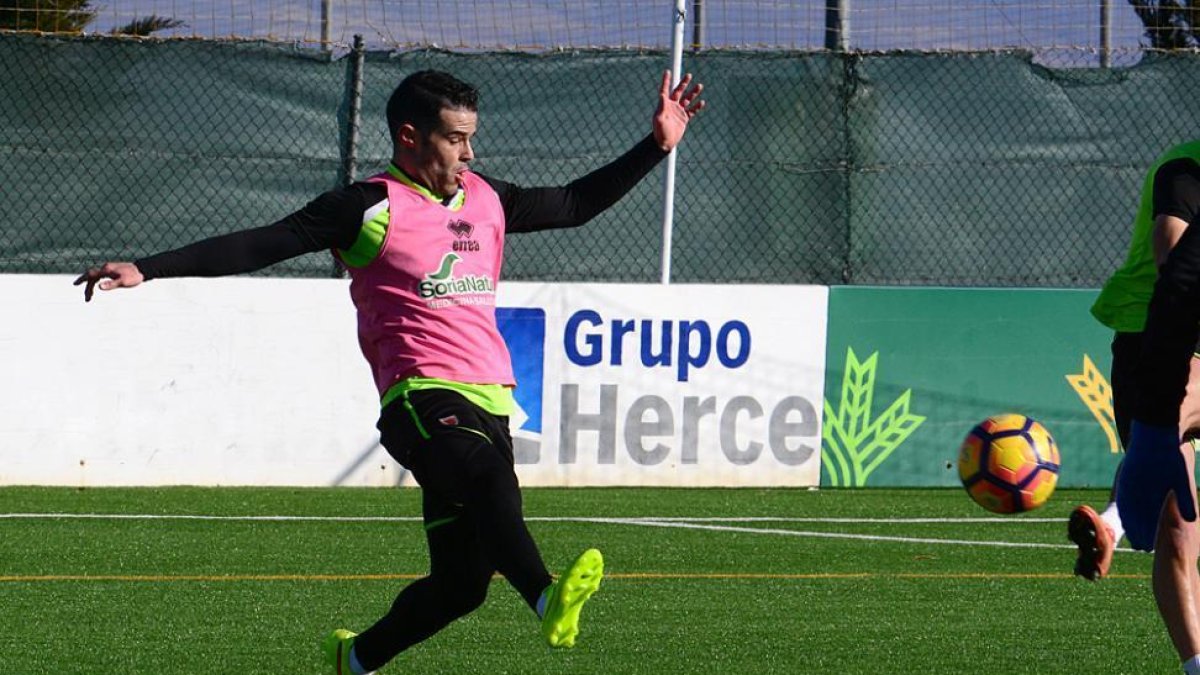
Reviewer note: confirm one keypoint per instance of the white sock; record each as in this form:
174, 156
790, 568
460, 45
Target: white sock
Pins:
1192, 665
1113, 518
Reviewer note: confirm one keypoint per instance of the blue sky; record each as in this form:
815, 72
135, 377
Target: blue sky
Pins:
1068, 28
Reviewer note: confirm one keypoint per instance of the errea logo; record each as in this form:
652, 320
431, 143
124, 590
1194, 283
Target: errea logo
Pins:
462, 231
461, 228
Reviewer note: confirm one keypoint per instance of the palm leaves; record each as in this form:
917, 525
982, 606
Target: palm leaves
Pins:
48, 16
148, 25
71, 16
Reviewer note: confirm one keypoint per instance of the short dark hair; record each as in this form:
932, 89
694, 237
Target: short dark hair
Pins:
420, 98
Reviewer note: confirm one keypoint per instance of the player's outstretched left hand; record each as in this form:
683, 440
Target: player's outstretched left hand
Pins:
676, 107
1153, 468
115, 275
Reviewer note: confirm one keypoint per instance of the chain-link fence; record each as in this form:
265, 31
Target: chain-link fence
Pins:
901, 168
1079, 33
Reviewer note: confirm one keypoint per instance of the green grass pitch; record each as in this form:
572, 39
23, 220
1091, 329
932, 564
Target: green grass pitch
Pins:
725, 581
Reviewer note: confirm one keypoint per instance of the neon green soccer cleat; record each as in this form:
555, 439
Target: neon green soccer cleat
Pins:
560, 623
337, 646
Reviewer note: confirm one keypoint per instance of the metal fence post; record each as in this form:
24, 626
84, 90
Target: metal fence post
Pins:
354, 88
1105, 33
837, 25
849, 85
354, 110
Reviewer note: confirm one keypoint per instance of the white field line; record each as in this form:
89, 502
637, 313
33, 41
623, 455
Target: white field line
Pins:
712, 524
543, 519
828, 535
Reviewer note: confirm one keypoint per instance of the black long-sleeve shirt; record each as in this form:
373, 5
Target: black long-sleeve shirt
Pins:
1177, 189
334, 219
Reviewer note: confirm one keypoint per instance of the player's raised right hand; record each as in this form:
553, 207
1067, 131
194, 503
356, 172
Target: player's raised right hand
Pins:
676, 107
114, 274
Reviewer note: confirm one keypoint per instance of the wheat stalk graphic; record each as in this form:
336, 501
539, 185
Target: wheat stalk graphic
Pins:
854, 443
1096, 393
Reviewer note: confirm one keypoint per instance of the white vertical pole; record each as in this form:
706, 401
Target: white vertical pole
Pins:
668, 222
326, 18
837, 25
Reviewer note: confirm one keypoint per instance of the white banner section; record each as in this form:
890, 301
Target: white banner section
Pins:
244, 381
683, 385
232, 381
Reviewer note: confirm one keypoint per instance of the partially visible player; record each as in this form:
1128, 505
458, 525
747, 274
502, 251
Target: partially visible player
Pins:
1170, 201
423, 243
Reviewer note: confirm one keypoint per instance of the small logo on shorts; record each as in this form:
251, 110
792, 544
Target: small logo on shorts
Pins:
449, 420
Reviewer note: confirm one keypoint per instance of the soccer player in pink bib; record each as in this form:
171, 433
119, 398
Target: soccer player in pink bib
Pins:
423, 243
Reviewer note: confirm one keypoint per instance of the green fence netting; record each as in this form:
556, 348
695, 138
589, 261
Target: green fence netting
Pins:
965, 169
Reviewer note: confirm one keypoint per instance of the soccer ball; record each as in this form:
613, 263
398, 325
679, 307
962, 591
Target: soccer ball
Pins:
1008, 464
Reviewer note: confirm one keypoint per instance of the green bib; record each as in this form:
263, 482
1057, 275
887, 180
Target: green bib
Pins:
1125, 298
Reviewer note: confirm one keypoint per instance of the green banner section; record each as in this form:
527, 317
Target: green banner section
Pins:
910, 371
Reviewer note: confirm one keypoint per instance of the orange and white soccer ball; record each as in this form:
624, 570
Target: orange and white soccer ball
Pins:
1009, 463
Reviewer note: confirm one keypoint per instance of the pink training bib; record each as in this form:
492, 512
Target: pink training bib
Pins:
427, 302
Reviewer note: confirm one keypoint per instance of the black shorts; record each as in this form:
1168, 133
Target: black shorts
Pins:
1126, 350
446, 442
